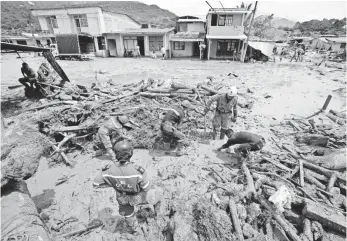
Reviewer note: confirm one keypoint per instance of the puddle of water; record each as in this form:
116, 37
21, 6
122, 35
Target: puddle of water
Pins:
44, 200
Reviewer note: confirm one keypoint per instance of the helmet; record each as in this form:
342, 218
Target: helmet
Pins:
186, 104
123, 119
232, 91
124, 150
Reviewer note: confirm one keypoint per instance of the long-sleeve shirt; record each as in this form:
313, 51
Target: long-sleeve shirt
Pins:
106, 129
128, 178
223, 104
175, 116
241, 138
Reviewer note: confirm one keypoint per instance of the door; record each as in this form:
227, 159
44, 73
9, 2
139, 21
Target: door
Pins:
112, 47
141, 43
196, 49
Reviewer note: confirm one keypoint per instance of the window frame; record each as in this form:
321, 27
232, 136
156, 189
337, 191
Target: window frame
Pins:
178, 45
155, 41
101, 43
221, 17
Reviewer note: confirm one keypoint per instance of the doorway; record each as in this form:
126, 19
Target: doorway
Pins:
141, 43
112, 47
196, 49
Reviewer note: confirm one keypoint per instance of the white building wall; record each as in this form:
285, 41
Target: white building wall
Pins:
196, 27
187, 52
116, 22
43, 23
235, 29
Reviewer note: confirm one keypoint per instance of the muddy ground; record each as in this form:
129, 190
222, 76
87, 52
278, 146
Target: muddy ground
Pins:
281, 90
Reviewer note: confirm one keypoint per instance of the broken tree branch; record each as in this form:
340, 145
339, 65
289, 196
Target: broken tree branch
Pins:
52, 104
236, 221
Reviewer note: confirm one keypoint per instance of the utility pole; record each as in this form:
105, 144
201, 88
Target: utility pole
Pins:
249, 33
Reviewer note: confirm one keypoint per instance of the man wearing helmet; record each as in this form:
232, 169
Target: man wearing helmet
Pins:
226, 110
172, 122
109, 128
130, 183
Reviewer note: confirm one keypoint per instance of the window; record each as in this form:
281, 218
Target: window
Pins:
214, 18
179, 45
54, 21
81, 21
227, 47
229, 20
48, 42
101, 43
221, 20
155, 42
22, 42
343, 46
183, 27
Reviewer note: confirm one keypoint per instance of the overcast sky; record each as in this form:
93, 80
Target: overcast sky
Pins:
292, 10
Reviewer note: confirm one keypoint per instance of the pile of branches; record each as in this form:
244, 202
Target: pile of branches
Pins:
295, 193
76, 112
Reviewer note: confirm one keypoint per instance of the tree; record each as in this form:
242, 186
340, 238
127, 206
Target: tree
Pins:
263, 28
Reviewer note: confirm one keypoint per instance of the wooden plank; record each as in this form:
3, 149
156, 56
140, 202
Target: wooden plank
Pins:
50, 58
294, 125
329, 218
236, 221
331, 182
338, 114
313, 180
301, 168
277, 164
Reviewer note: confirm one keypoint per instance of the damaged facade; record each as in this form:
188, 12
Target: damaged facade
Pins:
190, 34
225, 32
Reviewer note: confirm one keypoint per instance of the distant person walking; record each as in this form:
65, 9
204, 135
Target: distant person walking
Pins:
163, 52
138, 53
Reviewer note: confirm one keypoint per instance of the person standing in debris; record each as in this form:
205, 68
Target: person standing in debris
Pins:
138, 53
202, 50
29, 75
226, 110
131, 185
154, 56
163, 52
110, 128
249, 142
171, 125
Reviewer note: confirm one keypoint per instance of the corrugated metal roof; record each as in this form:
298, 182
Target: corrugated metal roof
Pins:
144, 31
337, 40
188, 36
227, 37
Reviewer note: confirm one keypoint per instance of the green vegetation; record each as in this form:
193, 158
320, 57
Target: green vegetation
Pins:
16, 16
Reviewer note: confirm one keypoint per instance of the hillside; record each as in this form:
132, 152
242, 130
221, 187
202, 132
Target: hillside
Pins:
15, 16
282, 22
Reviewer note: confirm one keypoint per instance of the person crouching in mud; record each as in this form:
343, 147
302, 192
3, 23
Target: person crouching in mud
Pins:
249, 142
171, 125
29, 76
131, 185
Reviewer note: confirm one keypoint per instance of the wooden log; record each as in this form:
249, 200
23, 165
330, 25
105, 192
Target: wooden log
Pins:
338, 114
331, 182
250, 188
292, 217
313, 140
328, 217
307, 233
325, 106
120, 97
236, 221
52, 104
11, 87
282, 222
294, 125
277, 164
324, 171
319, 177
213, 92
313, 180
82, 230
181, 91
325, 192
178, 85
50, 58
63, 155
74, 128
340, 121
301, 169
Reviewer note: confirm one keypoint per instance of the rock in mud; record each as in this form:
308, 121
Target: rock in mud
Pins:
212, 223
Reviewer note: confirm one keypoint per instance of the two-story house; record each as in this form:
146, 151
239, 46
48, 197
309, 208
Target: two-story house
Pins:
190, 33
88, 22
225, 32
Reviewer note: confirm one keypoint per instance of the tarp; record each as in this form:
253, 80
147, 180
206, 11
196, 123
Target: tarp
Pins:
265, 47
19, 47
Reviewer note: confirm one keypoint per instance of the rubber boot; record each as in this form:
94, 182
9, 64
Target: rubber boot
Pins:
214, 134
222, 134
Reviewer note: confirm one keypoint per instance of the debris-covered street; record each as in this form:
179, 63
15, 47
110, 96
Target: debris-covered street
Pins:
292, 189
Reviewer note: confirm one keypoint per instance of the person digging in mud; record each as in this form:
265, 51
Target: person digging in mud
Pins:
226, 111
29, 75
131, 185
103, 140
171, 125
249, 142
